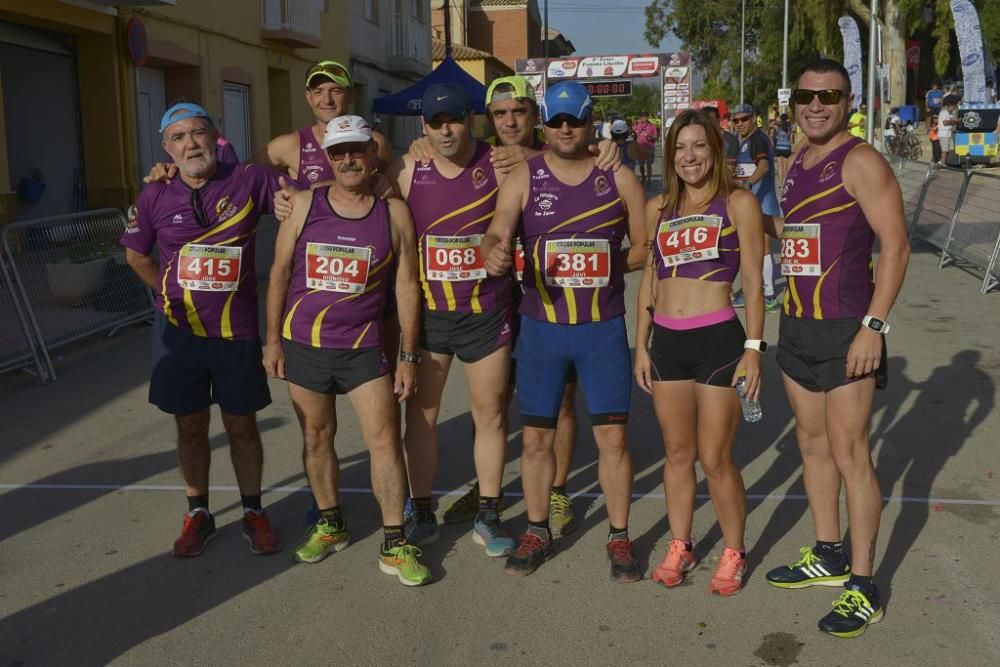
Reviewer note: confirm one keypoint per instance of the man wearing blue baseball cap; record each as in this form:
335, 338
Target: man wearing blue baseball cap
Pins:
205, 335
572, 219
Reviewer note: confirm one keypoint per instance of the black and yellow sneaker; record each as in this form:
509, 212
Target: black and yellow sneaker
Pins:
852, 613
810, 570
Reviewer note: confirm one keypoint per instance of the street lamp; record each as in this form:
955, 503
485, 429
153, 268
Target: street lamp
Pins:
872, 47
743, 47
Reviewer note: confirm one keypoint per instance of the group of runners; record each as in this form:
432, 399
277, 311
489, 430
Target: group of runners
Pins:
384, 271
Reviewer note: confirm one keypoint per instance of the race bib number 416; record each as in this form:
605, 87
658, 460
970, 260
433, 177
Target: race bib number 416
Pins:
800, 251
454, 258
337, 268
578, 262
692, 238
209, 268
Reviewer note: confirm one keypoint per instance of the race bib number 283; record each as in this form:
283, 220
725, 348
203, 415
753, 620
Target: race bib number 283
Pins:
800, 250
209, 268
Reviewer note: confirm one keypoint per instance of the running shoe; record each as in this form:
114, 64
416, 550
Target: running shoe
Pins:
489, 532
402, 561
465, 508
322, 538
771, 305
532, 551
678, 562
258, 532
728, 577
739, 301
198, 529
624, 567
561, 515
421, 529
810, 570
852, 613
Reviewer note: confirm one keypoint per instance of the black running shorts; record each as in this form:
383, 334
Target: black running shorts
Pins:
707, 355
469, 336
813, 353
328, 371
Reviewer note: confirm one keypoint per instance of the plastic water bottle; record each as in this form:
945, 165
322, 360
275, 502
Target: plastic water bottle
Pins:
751, 409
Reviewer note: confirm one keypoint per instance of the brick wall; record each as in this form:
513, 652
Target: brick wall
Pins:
508, 34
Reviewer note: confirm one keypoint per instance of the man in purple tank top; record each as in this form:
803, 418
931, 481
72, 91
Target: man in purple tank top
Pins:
334, 260
839, 196
205, 342
571, 218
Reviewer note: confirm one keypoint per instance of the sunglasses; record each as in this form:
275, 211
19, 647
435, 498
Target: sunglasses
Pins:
200, 214
805, 96
557, 121
340, 154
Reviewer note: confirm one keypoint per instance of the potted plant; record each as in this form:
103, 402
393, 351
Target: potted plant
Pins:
80, 272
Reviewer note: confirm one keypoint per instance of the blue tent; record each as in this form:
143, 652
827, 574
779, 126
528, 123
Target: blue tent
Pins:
407, 101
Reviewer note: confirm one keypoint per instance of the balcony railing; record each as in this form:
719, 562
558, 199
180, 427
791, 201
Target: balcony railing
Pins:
295, 23
402, 56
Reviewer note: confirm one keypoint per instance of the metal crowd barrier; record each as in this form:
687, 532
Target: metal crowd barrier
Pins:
70, 274
18, 347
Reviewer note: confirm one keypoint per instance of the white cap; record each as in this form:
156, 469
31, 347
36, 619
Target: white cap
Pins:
619, 127
347, 130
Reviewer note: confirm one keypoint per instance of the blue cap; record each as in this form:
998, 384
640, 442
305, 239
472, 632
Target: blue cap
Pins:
568, 97
742, 108
180, 111
446, 98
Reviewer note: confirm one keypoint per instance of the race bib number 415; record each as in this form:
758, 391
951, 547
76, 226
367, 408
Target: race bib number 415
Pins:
209, 268
454, 258
578, 262
337, 268
692, 238
800, 251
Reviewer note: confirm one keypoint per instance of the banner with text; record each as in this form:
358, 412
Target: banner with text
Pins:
970, 48
852, 57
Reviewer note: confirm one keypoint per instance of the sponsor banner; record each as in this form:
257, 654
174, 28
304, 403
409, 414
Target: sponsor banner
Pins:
595, 67
644, 65
970, 48
602, 66
852, 57
913, 55
562, 69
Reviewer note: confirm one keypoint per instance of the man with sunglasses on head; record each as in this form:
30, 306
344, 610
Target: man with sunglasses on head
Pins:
466, 312
572, 219
755, 171
840, 195
335, 258
205, 337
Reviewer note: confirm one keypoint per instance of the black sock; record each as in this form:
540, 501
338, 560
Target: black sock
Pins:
332, 517
862, 582
392, 536
834, 550
489, 504
561, 490
422, 505
198, 502
617, 533
540, 528
251, 503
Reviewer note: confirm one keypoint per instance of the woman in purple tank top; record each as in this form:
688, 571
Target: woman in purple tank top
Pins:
690, 347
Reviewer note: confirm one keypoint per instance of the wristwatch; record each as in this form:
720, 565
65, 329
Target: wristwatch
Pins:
410, 357
875, 324
755, 344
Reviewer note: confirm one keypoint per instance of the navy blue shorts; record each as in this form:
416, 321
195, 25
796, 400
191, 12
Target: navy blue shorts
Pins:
191, 372
597, 350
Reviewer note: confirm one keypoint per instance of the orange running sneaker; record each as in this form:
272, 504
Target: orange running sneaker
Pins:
678, 562
728, 577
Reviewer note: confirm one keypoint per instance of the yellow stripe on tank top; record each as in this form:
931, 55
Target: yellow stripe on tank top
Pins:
550, 311
585, 214
476, 221
286, 328
235, 220
477, 307
449, 294
167, 310
710, 273
460, 211
795, 296
784, 301
809, 200
191, 311
428, 295
357, 343
317, 327
609, 223
570, 304
817, 308
595, 307
226, 323
727, 231
828, 211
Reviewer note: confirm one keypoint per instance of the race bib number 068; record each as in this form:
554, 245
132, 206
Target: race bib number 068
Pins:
337, 268
800, 250
455, 258
692, 238
578, 262
209, 268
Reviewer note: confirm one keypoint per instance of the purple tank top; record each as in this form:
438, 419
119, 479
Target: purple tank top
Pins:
703, 247
341, 270
450, 217
572, 237
314, 166
826, 242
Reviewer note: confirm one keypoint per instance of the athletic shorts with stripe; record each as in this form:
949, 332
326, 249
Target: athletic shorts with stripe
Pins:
708, 355
598, 351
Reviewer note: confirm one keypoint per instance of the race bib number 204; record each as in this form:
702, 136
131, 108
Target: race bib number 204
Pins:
209, 268
337, 268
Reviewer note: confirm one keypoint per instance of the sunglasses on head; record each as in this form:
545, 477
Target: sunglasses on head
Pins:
805, 96
200, 214
557, 121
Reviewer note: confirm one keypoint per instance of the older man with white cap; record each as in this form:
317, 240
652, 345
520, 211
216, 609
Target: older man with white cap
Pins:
206, 347
333, 263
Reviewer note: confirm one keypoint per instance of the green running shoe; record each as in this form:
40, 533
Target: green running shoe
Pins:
852, 613
321, 539
465, 508
561, 516
810, 570
401, 561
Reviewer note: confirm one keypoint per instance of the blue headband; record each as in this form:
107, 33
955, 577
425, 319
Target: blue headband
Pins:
181, 111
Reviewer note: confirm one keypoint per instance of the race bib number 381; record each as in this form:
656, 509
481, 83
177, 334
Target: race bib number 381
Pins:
578, 262
454, 258
800, 251
692, 238
337, 268
209, 268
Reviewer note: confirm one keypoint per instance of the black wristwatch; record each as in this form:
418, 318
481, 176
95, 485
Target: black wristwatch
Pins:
410, 357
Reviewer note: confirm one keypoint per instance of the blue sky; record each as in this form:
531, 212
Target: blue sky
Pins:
603, 26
